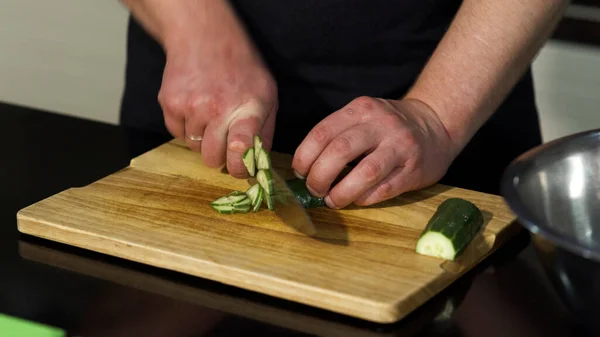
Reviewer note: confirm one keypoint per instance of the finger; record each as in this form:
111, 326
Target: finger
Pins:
341, 150
369, 172
239, 139
214, 144
400, 180
175, 126
320, 137
173, 112
268, 130
195, 125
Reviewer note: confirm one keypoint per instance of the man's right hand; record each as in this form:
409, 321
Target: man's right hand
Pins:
215, 85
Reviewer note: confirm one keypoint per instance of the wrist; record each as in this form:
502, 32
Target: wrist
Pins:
214, 31
453, 140
461, 121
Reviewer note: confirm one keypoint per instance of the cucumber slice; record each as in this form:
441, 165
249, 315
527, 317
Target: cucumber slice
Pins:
259, 199
252, 192
230, 199
223, 209
263, 161
265, 180
257, 146
270, 202
244, 202
245, 208
250, 161
232, 203
255, 193
450, 230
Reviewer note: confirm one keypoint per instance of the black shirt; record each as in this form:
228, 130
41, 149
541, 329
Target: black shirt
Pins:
324, 53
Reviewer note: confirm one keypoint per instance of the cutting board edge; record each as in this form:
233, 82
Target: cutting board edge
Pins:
312, 296
225, 302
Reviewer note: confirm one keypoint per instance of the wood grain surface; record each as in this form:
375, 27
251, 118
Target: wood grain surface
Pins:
361, 261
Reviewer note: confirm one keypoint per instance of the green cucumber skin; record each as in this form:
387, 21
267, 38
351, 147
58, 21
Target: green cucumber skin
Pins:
298, 187
457, 219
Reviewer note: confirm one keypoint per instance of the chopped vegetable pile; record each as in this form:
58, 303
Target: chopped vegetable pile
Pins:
258, 163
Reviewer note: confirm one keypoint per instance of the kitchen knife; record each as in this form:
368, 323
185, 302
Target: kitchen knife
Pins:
287, 207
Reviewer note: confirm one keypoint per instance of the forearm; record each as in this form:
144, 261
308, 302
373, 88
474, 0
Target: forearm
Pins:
485, 51
190, 25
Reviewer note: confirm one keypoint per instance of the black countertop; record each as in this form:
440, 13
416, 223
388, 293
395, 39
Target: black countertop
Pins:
90, 294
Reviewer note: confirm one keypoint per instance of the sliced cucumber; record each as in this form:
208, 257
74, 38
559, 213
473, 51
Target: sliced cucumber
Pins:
235, 202
450, 230
265, 180
252, 192
244, 202
250, 161
245, 208
224, 209
255, 193
229, 199
257, 146
270, 202
262, 187
264, 160
259, 199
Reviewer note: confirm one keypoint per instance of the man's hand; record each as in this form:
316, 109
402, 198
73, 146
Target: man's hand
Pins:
406, 145
224, 98
411, 142
216, 93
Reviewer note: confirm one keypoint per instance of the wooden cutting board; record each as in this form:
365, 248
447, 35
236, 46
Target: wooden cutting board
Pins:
361, 262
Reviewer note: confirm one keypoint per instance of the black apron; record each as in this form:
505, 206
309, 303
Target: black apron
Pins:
324, 53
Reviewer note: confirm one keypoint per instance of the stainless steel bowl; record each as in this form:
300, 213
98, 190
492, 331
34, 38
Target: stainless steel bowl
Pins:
554, 190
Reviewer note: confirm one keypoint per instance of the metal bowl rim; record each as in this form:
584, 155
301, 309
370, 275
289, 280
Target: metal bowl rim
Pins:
526, 218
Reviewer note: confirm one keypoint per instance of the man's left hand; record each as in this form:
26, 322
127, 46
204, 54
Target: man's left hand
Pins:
405, 144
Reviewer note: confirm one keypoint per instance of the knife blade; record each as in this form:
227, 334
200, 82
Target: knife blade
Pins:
288, 208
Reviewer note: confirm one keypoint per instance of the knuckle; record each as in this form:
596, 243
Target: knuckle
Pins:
321, 133
299, 162
371, 170
197, 102
407, 139
171, 103
342, 146
210, 104
362, 107
267, 86
364, 102
385, 190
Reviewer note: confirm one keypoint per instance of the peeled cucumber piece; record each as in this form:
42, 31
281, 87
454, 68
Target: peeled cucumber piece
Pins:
450, 230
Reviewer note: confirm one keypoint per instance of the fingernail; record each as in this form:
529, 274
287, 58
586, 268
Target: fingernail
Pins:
330, 203
298, 175
313, 192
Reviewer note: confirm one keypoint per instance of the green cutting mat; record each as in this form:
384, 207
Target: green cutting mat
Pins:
18, 327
